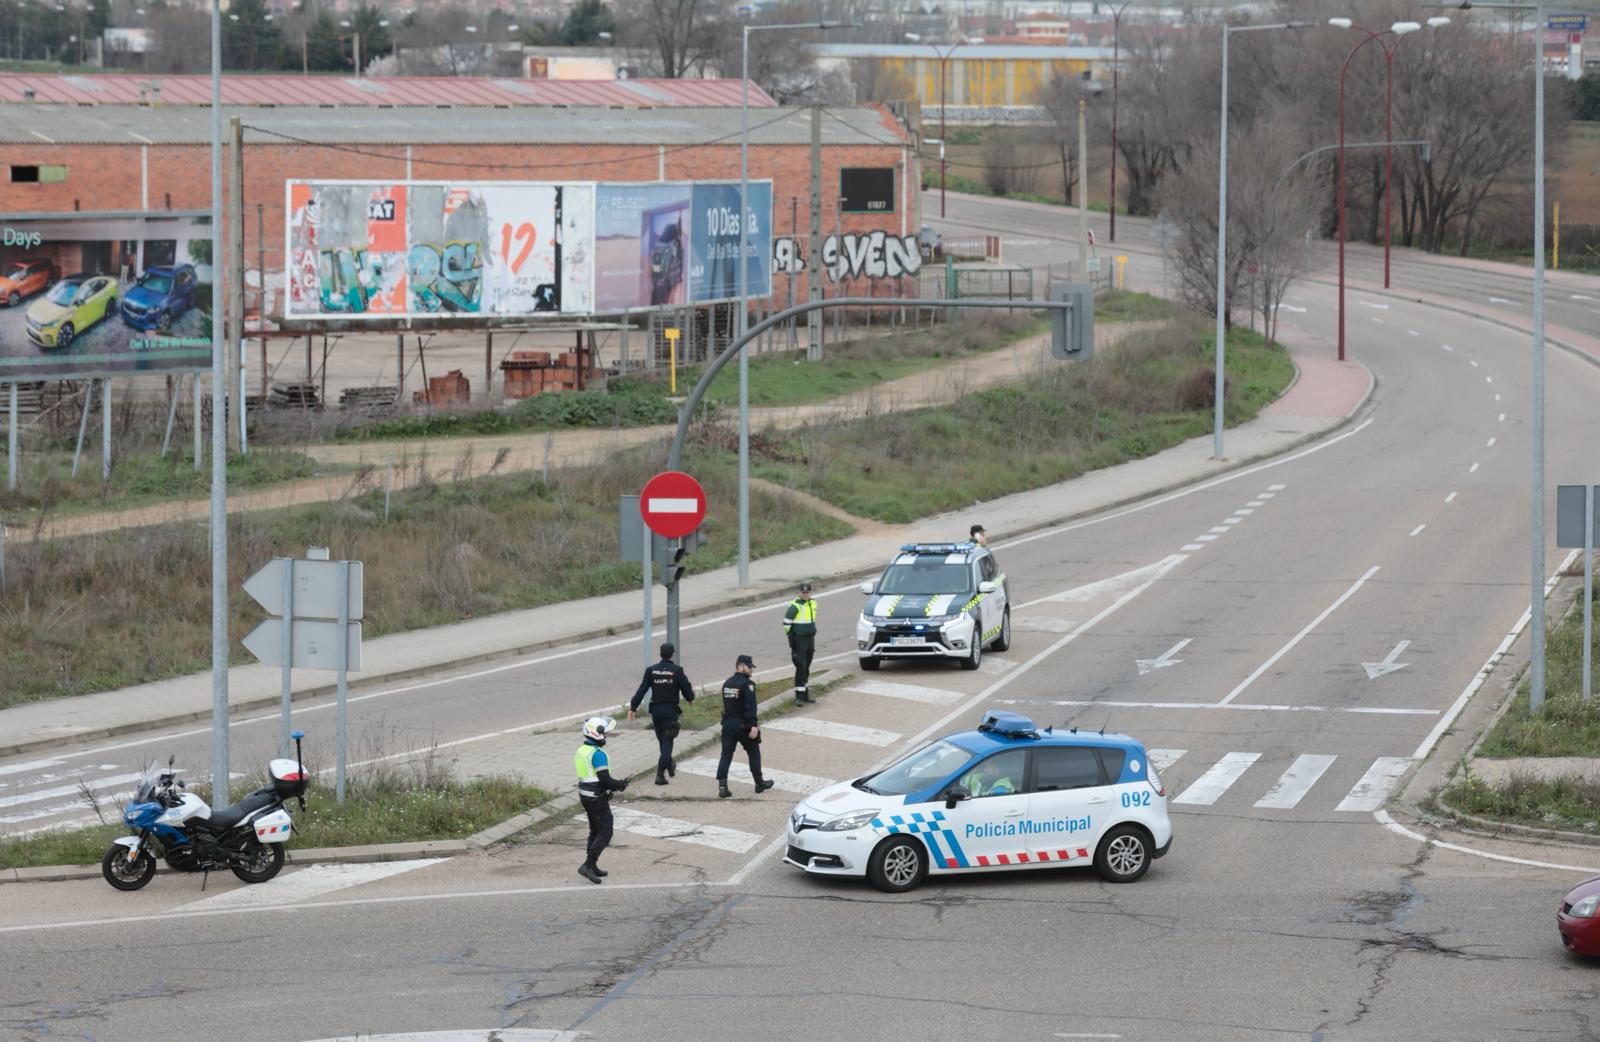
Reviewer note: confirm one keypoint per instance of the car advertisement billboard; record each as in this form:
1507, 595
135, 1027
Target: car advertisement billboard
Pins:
421, 249
104, 294
714, 242
641, 244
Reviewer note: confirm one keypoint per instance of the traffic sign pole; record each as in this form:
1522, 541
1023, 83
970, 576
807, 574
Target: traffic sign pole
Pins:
286, 685
649, 589
342, 727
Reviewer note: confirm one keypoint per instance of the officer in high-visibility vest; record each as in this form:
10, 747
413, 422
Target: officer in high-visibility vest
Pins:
595, 786
800, 623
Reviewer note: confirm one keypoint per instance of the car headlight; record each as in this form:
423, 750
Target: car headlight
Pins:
1584, 909
849, 822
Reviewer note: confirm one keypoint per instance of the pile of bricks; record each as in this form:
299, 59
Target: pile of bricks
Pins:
449, 389
528, 373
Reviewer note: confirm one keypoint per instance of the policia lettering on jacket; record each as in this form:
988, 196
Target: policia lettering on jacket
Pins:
800, 625
666, 683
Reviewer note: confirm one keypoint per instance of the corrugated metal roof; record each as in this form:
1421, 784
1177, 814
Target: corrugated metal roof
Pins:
38, 123
377, 91
967, 52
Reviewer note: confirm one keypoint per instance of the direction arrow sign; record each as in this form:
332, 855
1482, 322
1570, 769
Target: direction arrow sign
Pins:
1388, 665
1164, 660
672, 504
316, 589
316, 644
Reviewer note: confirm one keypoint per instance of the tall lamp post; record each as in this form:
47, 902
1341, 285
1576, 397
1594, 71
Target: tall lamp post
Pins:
944, 59
356, 33
1536, 533
744, 266
1399, 30
1222, 227
1116, 61
219, 440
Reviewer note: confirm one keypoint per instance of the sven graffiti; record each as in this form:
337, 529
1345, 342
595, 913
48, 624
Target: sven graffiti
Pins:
872, 255
440, 278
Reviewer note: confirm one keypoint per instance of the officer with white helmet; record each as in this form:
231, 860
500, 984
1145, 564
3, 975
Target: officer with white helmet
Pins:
595, 786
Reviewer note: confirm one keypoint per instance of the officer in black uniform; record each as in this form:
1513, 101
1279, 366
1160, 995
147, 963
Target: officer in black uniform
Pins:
739, 725
666, 682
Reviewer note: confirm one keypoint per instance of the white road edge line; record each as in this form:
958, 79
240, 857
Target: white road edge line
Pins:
1451, 498
1298, 637
1382, 817
1417, 531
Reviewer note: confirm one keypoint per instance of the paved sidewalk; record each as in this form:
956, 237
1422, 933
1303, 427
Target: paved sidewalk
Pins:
1316, 404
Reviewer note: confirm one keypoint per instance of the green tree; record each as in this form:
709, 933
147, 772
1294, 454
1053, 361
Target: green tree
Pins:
1586, 97
373, 26
324, 48
585, 22
99, 18
251, 38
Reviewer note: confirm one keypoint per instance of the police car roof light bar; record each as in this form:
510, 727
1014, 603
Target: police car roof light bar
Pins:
1014, 725
936, 548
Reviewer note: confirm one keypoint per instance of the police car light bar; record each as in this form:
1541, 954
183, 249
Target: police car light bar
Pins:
936, 548
998, 721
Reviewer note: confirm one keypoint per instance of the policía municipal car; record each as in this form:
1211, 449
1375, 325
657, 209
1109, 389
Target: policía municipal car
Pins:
1008, 796
935, 600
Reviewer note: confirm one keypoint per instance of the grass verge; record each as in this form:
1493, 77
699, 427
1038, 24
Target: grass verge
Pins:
1150, 392
143, 479
1522, 799
450, 550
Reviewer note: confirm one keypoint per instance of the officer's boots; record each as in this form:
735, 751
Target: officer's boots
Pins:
763, 784
801, 697
661, 777
722, 790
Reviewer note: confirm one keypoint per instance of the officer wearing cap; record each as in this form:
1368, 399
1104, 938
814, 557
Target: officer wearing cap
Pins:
976, 534
665, 682
595, 786
800, 625
739, 725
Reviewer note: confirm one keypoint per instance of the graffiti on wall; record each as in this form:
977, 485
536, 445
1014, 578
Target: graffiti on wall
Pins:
867, 255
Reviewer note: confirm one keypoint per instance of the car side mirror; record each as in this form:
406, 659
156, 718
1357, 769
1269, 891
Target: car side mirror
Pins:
866, 588
955, 796
987, 586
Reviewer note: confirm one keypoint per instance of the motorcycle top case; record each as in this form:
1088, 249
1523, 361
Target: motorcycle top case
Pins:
274, 827
288, 779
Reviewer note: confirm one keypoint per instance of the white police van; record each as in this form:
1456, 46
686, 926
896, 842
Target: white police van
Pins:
1004, 797
935, 600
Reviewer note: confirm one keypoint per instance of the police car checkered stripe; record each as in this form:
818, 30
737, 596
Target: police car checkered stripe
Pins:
1022, 858
930, 828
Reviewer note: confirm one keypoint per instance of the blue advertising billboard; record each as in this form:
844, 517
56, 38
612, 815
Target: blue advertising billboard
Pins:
714, 242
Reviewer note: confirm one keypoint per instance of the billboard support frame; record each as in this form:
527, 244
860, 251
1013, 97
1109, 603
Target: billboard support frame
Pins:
83, 426
11, 441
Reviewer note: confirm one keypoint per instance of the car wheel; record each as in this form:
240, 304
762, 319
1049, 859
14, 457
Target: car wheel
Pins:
1003, 642
898, 865
64, 338
975, 657
15, 300
870, 663
1124, 855
259, 861
125, 874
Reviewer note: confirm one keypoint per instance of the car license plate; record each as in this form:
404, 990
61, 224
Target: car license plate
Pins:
908, 640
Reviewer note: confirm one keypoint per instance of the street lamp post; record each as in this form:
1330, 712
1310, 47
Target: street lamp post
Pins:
1536, 534
1399, 30
944, 59
1116, 60
1222, 229
219, 441
744, 266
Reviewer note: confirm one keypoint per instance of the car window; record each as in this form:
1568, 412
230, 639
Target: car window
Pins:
999, 775
1111, 760
927, 766
926, 575
989, 569
1065, 767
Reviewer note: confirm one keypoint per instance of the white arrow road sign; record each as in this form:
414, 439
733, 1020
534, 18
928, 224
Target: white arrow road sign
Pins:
1147, 664
316, 589
315, 644
1388, 665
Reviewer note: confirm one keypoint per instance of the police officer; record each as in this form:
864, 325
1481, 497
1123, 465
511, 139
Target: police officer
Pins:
739, 725
595, 786
666, 682
976, 534
800, 624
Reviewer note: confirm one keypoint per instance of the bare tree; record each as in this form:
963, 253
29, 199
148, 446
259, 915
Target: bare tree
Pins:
1060, 101
1006, 166
672, 38
877, 80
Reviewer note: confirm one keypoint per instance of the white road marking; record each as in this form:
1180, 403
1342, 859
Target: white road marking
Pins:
1291, 788
95, 784
1244, 512
1285, 307
1580, 296
1256, 503
31, 765
1231, 521
1116, 584
1451, 498
1502, 418
1194, 546
994, 665
1043, 624
56, 776
1298, 637
1090, 1034
1472, 362
1472, 469
1374, 787
1208, 538
1489, 380
1500, 300
1417, 531
788, 781
1265, 495
909, 692
1382, 818
40, 813
479, 1035
1490, 445
1276, 488
1497, 397
1164, 758
1380, 307
1218, 530
838, 732
1388, 665
1243, 707
1210, 786
1412, 332
1163, 660
314, 881
1378, 320
1447, 347
658, 827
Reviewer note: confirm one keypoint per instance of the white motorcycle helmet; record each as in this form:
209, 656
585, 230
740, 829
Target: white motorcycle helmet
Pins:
597, 727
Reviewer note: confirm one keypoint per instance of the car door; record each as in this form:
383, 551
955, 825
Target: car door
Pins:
185, 293
986, 829
1070, 802
991, 606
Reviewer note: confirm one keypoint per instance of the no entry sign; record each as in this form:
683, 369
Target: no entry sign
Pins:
672, 504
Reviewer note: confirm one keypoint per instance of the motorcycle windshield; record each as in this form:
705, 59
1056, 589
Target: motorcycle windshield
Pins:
147, 785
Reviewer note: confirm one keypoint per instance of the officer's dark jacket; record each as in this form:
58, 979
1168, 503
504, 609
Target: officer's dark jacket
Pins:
739, 700
664, 681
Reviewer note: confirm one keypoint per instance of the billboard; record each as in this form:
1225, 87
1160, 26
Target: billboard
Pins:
641, 245
866, 189
418, 249
104, 294
714, 242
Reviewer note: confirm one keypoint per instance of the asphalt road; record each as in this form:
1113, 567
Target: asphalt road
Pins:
1285, 910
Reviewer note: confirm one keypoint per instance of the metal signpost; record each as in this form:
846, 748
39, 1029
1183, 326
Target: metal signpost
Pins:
317, 605
1575, 528
671, 333
672, 505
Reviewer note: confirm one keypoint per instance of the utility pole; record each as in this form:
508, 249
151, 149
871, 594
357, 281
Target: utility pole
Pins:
261, 292
814, 253
1083, 191
220, 645
233, 282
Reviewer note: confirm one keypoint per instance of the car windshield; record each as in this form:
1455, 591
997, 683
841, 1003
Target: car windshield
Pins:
925, 767
926, 575
17, 272
156, 283
63, 293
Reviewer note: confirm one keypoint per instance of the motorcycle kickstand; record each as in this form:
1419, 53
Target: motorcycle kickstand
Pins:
205, 874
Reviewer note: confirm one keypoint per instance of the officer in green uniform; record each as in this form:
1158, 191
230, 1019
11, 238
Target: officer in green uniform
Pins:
595, 786
800, 624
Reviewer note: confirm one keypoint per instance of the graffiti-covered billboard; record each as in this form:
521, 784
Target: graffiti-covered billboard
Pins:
416, 249
89, 295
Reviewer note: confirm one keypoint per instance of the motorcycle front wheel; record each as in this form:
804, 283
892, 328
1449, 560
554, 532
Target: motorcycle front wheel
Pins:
258, 861
127, 873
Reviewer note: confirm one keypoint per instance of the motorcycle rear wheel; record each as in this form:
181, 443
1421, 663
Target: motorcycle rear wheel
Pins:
124, 874
259, 861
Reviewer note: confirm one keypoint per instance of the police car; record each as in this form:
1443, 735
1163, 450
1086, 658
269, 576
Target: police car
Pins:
935, 600
1007, 796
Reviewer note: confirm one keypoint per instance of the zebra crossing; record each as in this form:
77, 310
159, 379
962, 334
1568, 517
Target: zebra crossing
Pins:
1292, 787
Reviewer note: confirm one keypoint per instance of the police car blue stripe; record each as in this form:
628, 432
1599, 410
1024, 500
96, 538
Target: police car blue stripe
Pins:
933, 848
955, 848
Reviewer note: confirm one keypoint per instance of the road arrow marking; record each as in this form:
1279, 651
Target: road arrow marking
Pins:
1580, 296
1147, 664
1500, 300
1388, 665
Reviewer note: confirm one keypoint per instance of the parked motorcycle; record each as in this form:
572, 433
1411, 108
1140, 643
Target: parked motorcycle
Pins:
180, 827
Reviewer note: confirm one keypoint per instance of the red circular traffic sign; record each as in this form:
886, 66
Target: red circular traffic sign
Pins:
672, 504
